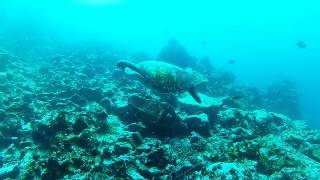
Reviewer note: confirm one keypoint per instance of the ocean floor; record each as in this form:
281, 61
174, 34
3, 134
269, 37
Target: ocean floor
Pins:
77, 117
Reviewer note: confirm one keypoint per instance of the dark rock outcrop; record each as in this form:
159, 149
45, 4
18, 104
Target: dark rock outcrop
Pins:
159, 118
175, 53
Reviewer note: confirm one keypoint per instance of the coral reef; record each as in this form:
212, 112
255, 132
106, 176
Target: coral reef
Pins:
72, 119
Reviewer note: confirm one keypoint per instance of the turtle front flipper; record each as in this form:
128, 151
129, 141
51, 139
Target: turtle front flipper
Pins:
192, 91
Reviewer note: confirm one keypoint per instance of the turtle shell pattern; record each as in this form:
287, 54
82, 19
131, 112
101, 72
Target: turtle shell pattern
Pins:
165, 77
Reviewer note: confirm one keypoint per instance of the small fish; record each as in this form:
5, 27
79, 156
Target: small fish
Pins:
203, 43
231, 61
302, 44
167, 33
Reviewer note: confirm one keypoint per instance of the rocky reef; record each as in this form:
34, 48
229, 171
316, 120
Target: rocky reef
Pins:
70, 118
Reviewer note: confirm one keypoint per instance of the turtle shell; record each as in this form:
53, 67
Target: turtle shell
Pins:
165, 77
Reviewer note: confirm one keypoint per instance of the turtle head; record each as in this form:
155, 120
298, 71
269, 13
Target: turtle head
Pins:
125, 64
122, 65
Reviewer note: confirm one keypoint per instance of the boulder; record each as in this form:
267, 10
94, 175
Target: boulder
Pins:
231, 117
158, 158
136, 127
275, 155
119, 168
133, 174
9, 171
209, 105
106, 104
10, 127
91, 94
81, 123
54, 169
6, 141
197, 142
159, 118
122, 148
184, 169
267, 122
198, 123
136, 138
44, 132
231, 170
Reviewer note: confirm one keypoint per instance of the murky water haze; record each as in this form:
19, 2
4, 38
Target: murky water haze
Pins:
260, 36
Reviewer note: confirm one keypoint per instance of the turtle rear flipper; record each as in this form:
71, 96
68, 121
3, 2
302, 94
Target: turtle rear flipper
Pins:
192, 91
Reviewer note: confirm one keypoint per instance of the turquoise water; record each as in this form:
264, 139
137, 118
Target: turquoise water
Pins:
260, 36
236, 95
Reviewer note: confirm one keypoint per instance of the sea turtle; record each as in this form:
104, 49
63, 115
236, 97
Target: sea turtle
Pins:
164, 77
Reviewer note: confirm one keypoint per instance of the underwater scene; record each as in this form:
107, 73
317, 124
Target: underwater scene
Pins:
137, 89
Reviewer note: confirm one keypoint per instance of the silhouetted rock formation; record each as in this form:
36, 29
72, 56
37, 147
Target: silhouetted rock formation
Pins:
176, 54
282, 97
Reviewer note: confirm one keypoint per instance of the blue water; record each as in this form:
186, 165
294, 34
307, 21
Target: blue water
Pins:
260, 36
